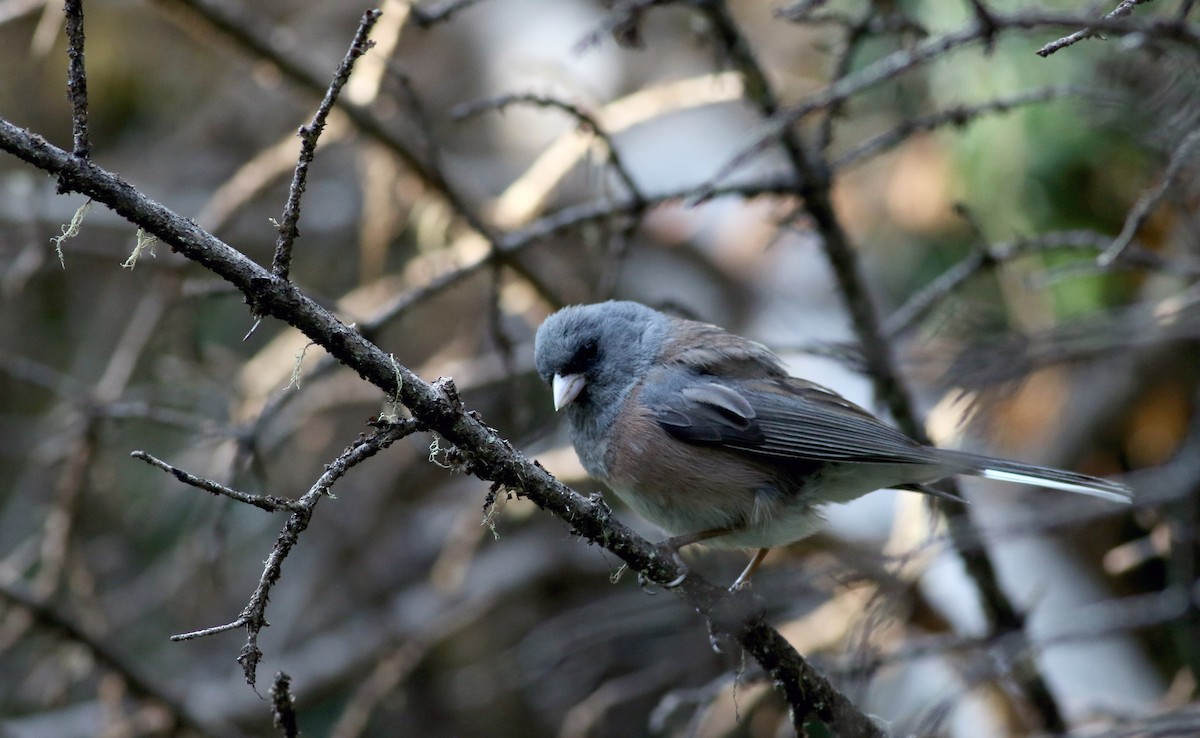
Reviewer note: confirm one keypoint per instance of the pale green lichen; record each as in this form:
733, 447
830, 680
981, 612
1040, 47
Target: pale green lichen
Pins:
294, 380
392, 415
145, 242
70, 230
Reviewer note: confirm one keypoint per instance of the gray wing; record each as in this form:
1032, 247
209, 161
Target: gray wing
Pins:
780, 418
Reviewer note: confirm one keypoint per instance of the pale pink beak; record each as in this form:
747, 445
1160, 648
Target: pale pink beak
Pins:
566, 389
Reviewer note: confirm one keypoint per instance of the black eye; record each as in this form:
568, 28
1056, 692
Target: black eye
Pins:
588, 351
584, 357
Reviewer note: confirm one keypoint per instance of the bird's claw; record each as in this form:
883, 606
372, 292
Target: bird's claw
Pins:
679, 564
677, 580
667, 551
738, 585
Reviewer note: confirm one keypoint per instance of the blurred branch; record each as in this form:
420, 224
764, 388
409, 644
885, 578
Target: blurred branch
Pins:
1093, 622
957, 116
894, 64
1125, 8
11, 10
1176, 317
518, 201
1150, 199
47, 618
581, 116
870, 23
309, 134
249, 34
442, 12
253, 177
922, 302
481, 450
526, 196
392, 667
904, 60
283, 706
581, 720
815, 182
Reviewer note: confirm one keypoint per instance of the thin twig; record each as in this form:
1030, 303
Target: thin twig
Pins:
903, 60
1145, 205
1123, 9
270, 503
581, 116
958, 115
433, 16
214, 630
254, 616
77, 78
288, 225
283, 706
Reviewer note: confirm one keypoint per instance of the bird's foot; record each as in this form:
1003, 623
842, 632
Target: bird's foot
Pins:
668, 551
743, 580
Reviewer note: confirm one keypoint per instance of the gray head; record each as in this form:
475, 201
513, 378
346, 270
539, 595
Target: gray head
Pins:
593, 354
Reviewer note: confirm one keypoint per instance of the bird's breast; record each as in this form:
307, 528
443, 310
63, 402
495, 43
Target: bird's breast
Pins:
682, 487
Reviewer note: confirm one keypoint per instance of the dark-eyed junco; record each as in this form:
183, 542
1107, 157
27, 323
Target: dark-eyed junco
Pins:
704, 433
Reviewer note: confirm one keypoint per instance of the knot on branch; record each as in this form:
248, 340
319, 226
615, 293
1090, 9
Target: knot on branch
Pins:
446, 387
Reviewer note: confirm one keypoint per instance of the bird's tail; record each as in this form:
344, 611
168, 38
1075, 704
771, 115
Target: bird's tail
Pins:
1040, 476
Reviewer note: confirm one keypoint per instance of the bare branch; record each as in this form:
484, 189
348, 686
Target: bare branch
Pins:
254, 616
904, 60
1123, 9
77, 78
443, 12
959, 115
283, 706
487, 455
288, 228
1150, 199
583, 117
270, 503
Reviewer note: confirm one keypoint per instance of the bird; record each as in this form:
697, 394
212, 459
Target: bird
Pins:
705, 434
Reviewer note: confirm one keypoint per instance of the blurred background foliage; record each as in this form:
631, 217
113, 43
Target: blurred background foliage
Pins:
399, 613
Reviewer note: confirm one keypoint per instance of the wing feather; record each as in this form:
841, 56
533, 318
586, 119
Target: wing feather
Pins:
780, 418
